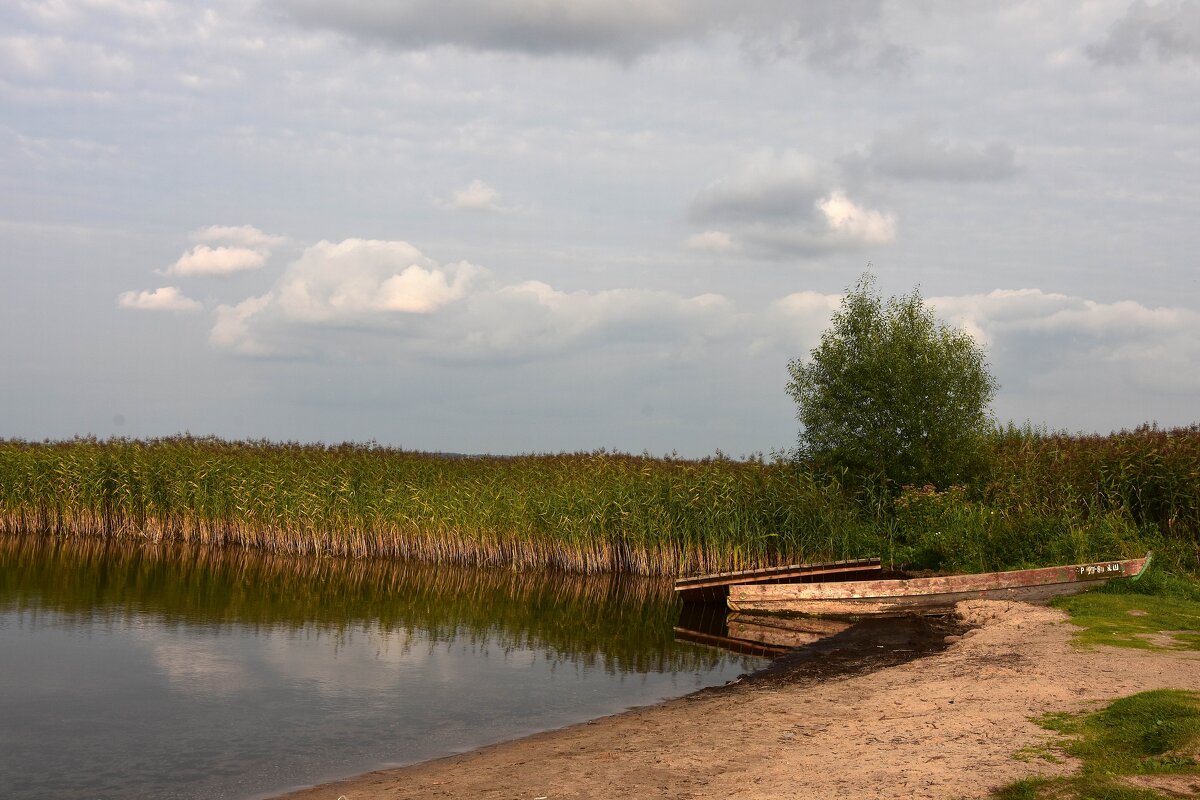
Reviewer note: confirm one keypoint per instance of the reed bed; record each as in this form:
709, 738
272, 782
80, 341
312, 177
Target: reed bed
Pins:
1048, 498
584, 512
1150, 473
1056, 498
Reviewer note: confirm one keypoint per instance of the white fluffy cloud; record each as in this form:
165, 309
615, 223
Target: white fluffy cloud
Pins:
218, 261
451, 311
167, 298
359, 283
359, 279
853, 223
240, 248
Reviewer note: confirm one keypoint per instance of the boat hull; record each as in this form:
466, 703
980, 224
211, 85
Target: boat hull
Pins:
936, 595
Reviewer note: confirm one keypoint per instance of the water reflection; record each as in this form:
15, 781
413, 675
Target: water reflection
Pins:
161, 671
752, 634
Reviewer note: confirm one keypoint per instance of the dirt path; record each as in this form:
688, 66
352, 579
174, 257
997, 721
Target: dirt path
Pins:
943, 726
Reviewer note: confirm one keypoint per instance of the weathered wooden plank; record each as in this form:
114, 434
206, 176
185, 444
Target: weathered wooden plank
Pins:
714, 586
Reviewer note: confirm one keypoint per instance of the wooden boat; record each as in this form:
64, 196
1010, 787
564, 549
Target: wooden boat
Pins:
715, 586
935, 595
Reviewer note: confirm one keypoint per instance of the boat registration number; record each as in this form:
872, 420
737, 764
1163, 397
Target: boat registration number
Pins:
1099, 569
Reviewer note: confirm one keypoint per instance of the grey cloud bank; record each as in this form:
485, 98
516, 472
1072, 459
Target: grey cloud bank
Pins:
1167, 30
541, 226
913, 152
832, 35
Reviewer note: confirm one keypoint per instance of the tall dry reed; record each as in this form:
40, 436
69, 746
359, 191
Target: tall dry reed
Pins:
584, 512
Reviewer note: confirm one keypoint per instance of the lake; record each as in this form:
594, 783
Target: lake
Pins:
156, 671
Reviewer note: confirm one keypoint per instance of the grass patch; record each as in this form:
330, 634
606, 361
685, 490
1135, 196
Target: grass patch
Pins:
1038, 752
1146, 736
1160, 611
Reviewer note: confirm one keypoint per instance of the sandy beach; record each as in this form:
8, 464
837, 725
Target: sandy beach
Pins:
824, 724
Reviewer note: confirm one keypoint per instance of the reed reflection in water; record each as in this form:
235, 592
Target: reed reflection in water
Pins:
174, 671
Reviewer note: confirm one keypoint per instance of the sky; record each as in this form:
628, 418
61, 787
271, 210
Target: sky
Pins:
547, 225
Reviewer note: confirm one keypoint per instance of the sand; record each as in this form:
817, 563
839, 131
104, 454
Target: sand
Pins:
944, 725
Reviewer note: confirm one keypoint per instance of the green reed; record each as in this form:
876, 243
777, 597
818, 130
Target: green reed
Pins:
584, 512
1150, 473
1048, 498
1056, 498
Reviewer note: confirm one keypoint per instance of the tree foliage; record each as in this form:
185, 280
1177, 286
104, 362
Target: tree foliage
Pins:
893, 395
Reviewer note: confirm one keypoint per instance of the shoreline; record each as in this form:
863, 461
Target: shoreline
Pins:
898, 725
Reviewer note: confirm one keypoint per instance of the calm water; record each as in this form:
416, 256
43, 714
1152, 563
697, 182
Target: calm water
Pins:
161, 672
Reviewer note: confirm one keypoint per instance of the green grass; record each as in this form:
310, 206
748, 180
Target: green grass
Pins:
1161, 610
1153, 733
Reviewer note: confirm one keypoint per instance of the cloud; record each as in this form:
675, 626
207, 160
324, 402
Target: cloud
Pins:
232, 329
1169, 30
854, 223
478, 196
386, 303
913, 153
220, 261
359, 279
243, 235
1033, 310
356, 283
168, 298
1053, 354
1045, 338
59, 154
389, 290
44, 60
767, 185
784, 204
711, 242
830, 35
534, 319
793, 323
